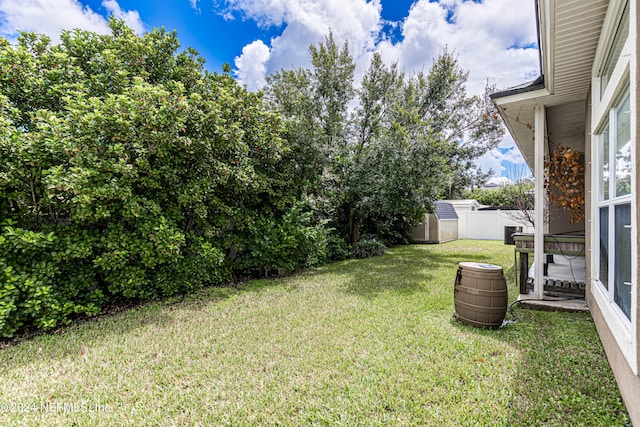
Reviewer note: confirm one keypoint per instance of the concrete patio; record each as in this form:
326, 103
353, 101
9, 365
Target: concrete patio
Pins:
564, 286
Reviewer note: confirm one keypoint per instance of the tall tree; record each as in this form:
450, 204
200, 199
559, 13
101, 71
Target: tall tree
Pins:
291, 93
389, 147
363, 166
333, 70
315, 103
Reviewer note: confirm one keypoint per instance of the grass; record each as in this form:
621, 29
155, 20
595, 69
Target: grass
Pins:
368, 342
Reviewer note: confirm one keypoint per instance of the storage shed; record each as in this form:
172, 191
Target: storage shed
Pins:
438, 227
464, 205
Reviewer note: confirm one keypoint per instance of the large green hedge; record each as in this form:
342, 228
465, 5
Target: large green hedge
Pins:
130, 172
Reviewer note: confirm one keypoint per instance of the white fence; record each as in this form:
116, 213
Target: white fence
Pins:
486, 225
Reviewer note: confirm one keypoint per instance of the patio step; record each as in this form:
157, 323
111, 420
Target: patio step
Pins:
550, 303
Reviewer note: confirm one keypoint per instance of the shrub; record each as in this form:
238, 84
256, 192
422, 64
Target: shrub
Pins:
368, 248
337, 248
282, 244
123, 165
40, 285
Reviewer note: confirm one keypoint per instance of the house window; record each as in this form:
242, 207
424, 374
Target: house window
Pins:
621, 35
614, 204
604, 163
623, 148
622, 270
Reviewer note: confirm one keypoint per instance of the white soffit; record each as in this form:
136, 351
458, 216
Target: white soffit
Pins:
570, 30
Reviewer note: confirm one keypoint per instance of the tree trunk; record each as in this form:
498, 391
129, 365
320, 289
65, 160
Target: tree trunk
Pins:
353, 225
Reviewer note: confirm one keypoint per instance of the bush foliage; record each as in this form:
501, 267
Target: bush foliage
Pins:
512, 195
131, 172
367, 248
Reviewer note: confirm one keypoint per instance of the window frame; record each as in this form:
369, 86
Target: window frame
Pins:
610, 121
604, 104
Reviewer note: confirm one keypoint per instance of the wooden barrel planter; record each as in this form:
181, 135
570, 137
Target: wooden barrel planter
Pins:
480, 295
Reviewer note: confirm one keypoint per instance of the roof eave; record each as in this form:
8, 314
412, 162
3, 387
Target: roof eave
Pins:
535, 85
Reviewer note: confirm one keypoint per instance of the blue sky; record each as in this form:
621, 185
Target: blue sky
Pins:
204, 27
494, 40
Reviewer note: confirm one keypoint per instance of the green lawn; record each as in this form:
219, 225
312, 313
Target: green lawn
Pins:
368, 342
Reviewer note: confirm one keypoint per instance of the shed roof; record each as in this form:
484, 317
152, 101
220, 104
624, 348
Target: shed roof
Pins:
445, 210
462, 202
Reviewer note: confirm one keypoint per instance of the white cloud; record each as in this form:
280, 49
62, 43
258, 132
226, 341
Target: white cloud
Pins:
425, 33
47, 17
50, 17
251, 65
491, 160
492, 39
308, 21
488, 39
130, 17
506, 153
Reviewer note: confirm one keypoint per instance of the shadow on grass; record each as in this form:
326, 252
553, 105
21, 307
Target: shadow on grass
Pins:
562, 375
121, 321
404, 270
561, 369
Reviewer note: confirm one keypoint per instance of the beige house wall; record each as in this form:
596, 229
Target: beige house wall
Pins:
628, 381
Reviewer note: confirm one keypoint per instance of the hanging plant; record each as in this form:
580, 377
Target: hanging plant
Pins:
565, 182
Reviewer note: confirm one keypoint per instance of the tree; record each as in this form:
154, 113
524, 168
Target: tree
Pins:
467, 179
428, 136
362, 158
315, 103
387, 148
290, 93
471, 124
